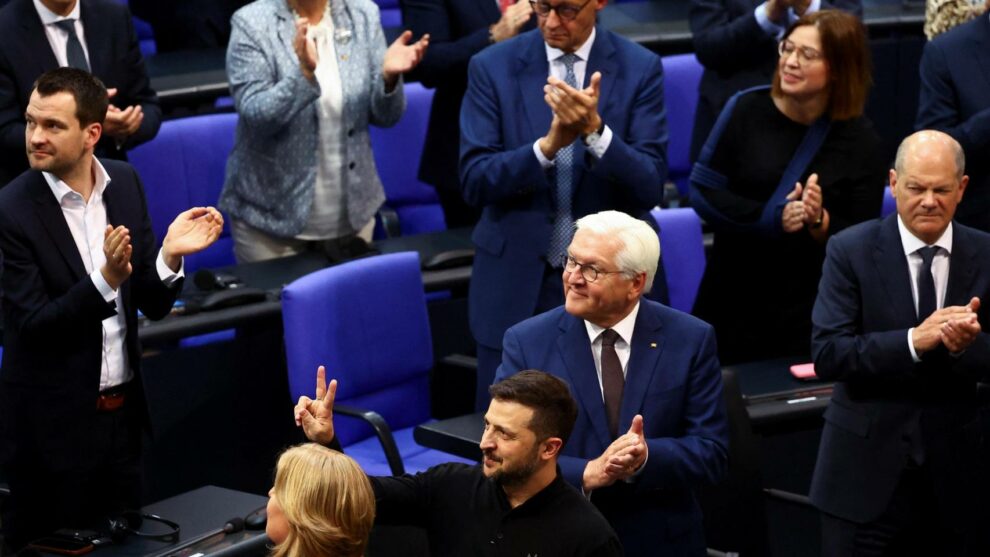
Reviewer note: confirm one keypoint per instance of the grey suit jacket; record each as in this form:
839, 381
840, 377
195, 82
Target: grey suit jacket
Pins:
272, 168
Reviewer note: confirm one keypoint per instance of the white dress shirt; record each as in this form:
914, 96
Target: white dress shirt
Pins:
87, 222
940, 269
623, 345
559, 70
58, 38
328, 214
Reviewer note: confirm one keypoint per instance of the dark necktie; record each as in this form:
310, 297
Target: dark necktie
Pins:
563, 226
612, 380
74, 55
927, 301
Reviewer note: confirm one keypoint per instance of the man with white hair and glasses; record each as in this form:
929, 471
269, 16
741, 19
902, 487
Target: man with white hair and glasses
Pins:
651, 425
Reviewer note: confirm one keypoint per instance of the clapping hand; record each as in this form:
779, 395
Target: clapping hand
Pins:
402, 57
792, 218
620, 460
192, 231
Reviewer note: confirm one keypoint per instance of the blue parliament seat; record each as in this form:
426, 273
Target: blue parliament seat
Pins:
391, 13
682, 74
366, 321
889, 205
411, 207
183, 167
683, 250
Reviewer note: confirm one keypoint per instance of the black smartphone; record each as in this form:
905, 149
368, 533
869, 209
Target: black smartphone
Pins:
61, 545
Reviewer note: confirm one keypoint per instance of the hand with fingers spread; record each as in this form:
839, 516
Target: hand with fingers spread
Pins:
402, 57
792, 217
117, 249
305, 49
620, 460
192, 231
122, 123
315, 416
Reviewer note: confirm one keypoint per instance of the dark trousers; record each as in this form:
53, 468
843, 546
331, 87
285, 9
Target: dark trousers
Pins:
490, 357
912, 525
47, 494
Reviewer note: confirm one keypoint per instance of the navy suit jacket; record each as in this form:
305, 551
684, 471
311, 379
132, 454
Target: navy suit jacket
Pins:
503, 114
458, 29
955, 98
114, 57
673, 379
861, 318
53, 313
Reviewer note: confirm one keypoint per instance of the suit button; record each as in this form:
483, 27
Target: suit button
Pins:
350, 132
352, 165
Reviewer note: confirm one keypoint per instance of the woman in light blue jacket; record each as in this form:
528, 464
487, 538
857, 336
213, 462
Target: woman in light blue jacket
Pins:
308, 77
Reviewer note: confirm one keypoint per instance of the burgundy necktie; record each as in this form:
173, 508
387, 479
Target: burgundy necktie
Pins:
612, 380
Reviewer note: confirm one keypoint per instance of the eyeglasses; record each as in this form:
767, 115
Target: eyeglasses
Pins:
566, 12
589, 272
805, 53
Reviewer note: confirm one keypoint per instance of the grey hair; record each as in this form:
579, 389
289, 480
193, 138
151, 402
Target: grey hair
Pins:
639, 249
925, 136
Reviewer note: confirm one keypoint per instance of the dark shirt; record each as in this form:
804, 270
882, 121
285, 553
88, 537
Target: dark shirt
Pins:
757, 291
466, 513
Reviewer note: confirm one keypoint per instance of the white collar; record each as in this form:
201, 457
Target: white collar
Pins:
583, 52
60, 189
624, 327
48, 17
912, 243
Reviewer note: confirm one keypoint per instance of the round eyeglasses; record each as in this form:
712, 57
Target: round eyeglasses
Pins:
805, 54
566, 12
589, 272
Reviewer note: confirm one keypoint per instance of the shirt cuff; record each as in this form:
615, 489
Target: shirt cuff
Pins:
914, 355
598, 148
165, 274
793, 16
769, 27
101, 284
543, 160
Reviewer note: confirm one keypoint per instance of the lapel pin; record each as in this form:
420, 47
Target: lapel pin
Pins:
653, 345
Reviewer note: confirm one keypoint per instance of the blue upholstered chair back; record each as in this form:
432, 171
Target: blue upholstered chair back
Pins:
183, 167
889, 205
682, 74
397, 152
391, 13
683, 250
366, 322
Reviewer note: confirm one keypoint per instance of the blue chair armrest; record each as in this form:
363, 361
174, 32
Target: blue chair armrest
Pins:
382, 431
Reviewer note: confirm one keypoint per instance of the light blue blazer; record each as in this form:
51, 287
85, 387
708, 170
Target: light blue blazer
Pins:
272, 168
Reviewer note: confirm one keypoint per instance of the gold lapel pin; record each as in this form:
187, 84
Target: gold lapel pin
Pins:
653, 345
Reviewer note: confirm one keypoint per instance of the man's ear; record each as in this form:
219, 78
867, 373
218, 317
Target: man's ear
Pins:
93, 133
551, 448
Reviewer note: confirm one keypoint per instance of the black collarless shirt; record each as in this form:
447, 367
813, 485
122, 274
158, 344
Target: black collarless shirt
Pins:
466, 513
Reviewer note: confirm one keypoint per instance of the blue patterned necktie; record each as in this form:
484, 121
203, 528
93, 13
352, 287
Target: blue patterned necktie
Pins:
75, 57
563, 222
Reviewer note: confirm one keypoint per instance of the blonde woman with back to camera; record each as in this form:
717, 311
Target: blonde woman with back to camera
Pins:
321, 504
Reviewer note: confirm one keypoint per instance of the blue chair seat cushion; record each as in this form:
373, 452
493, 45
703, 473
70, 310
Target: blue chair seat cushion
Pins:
416, 458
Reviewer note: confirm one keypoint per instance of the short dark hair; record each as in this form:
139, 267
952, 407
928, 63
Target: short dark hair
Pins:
88, 91
554, 409
845, 49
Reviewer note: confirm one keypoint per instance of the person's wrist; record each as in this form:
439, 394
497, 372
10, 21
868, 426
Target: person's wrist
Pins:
817, 223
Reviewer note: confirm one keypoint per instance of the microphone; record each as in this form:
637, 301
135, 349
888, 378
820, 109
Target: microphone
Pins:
232, 526
207, 280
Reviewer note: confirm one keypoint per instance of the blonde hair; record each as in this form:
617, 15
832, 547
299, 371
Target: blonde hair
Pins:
327, 501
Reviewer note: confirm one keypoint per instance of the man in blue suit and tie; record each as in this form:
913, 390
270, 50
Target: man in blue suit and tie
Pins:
557, 123
898, 324
651, 423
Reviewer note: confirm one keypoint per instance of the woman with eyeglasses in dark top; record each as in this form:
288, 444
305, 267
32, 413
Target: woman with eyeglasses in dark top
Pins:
784, 168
